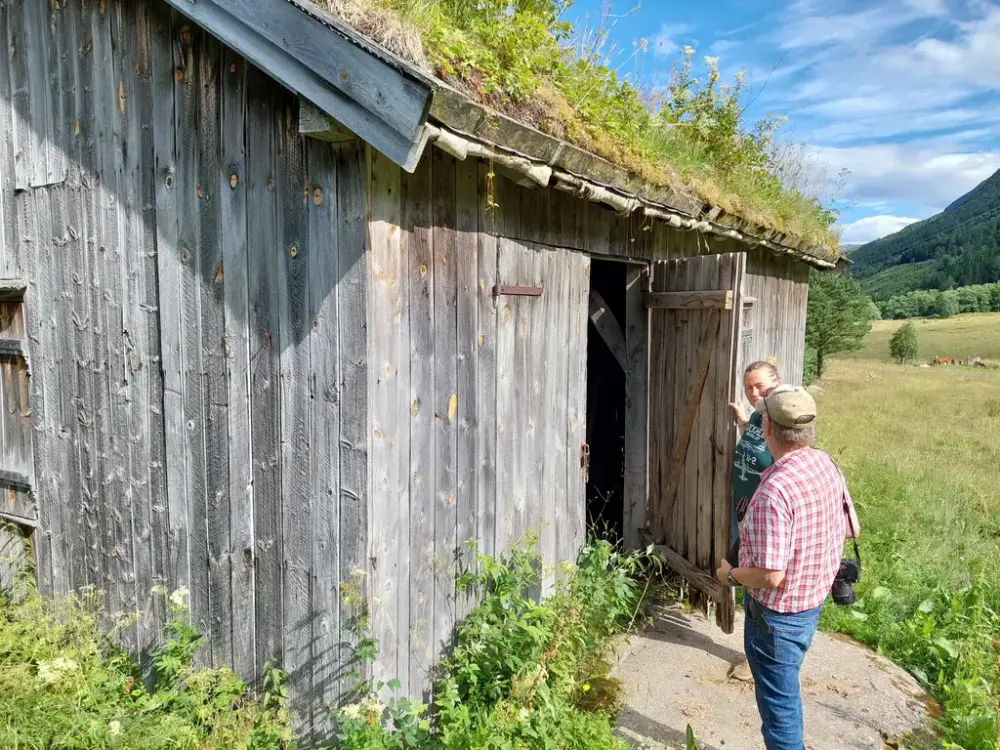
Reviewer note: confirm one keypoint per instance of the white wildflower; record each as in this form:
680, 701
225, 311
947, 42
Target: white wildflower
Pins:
115, 728
688, 50
57, 670
179, 598
352, 711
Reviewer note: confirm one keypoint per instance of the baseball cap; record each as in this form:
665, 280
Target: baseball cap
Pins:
789, 406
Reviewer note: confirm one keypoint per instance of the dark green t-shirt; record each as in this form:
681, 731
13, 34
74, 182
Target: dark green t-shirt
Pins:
752, 458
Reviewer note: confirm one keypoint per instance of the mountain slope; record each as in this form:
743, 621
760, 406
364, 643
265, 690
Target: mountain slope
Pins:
958, 247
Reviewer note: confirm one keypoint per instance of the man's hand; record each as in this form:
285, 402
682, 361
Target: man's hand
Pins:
723, 572
740, 412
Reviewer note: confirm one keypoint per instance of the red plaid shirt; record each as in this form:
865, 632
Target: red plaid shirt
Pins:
796, 523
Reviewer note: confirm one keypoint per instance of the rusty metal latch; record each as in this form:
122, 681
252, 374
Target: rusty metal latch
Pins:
585, 461
513, 290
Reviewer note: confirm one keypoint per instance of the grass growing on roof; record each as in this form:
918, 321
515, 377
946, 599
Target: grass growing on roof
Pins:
520, 58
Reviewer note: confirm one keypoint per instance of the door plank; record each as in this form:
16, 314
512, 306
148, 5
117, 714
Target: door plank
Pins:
709, 331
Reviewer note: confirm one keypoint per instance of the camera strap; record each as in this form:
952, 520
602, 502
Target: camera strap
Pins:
854, 536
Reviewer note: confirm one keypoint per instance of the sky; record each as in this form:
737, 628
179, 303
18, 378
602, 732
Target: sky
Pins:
902, 94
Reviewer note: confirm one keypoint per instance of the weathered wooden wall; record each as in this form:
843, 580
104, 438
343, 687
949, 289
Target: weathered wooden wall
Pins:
478, 402
777, 318
195, 313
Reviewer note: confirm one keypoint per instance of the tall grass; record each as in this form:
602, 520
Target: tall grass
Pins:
690, 132
921, 450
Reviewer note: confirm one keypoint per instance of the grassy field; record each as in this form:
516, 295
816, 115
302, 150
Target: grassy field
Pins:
961, 336
921, 450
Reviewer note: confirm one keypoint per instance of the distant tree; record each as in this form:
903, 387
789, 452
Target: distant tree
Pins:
874, 311
944, 305
839, 316
903, 345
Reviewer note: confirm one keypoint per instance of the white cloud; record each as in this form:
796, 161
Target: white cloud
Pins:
972, 58
813, 23
873, 228
927, 174
670, 38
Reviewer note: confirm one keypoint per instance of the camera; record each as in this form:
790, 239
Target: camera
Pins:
843, 585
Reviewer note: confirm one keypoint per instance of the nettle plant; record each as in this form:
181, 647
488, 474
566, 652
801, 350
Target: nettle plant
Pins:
523, 673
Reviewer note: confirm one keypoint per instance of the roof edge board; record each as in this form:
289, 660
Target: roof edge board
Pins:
462, 147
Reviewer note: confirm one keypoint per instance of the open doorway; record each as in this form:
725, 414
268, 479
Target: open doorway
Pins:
606, 398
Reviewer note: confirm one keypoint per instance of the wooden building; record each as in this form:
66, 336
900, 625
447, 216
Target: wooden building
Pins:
276, 306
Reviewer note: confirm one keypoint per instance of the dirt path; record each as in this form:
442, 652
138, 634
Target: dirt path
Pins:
677, 673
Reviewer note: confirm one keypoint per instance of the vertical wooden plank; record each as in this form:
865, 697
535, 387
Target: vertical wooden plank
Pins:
636, 405
711, 275
131, 24
112, 377
58, 126
47, 447
520, 432
27, 78
352, 229
7, 115
727, 350
264, 251
103, 277
60, 496
210, 190
486, 376
189, 196
420, 270
467, 272
682, 386
232, 186
553, 362
533, 496
576, 509
445, 403
506, 432
388, 344
297, 414
84, 306
324, 353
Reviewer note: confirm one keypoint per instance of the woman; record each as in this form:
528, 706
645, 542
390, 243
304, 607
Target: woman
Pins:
752, 455
752, 458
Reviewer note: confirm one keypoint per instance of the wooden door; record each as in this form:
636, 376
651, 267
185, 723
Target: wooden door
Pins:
542, 298
694, 330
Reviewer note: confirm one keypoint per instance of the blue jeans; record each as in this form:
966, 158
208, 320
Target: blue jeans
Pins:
775, 660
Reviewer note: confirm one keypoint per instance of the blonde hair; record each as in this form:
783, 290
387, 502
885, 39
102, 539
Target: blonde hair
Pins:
769, 365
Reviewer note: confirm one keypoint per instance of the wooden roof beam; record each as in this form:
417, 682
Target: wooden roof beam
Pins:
316, 58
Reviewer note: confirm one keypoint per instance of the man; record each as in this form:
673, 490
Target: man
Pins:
791, 543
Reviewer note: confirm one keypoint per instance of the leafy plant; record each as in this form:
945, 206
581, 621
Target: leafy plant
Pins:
522, 670
838, 316
65, 686
904, 345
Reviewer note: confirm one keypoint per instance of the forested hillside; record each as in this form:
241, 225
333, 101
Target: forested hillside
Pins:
958, 247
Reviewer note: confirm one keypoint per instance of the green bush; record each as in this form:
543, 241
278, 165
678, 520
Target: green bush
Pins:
523, 673
903, 345
65, 686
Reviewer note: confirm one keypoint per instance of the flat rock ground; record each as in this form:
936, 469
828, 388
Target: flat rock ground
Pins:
677, 673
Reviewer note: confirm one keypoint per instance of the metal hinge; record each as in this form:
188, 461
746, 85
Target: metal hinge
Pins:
585, 461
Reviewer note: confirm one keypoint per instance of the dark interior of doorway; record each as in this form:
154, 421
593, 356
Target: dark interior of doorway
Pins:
606, 408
